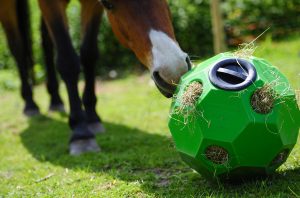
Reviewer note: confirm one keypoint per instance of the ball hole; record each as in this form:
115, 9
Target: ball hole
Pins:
280, 158
262, 100
217, 154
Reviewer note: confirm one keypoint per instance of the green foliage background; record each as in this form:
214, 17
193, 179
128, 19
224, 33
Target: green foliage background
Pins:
244, 20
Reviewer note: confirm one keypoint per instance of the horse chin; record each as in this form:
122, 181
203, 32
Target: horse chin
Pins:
165, 88
163, 92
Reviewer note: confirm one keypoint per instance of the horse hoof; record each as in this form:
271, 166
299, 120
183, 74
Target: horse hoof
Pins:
57, 108
96, 128
83, 146
31, 112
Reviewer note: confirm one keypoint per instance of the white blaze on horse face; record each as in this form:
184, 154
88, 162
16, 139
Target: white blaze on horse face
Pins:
167, 57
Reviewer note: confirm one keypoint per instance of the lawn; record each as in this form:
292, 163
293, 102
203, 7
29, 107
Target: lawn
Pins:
138, 157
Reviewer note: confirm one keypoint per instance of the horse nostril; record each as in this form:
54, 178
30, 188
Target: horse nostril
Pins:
189, 63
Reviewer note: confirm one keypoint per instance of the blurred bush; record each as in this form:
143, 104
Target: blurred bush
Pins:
192, 25
244, 20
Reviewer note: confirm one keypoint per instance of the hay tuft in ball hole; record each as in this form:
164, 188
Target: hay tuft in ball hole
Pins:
217, 154
188, 100
191, 94
263, 99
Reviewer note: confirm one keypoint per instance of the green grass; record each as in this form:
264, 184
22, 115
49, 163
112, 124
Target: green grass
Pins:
138, 157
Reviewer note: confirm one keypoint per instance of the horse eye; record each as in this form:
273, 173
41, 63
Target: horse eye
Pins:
107, 4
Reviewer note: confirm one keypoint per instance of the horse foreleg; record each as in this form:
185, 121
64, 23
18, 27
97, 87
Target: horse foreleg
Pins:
91, 13
10, 22
56, 103
68, 64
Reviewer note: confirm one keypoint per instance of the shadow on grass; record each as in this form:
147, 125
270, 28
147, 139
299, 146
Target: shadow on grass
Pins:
130, 154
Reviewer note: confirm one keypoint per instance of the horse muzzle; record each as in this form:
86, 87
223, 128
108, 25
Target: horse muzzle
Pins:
164, 87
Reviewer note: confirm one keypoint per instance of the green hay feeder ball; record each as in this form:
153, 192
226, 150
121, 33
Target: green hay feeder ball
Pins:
234, 118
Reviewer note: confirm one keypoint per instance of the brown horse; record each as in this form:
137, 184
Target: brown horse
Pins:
143, 26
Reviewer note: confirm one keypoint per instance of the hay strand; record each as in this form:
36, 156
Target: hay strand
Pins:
246, 50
